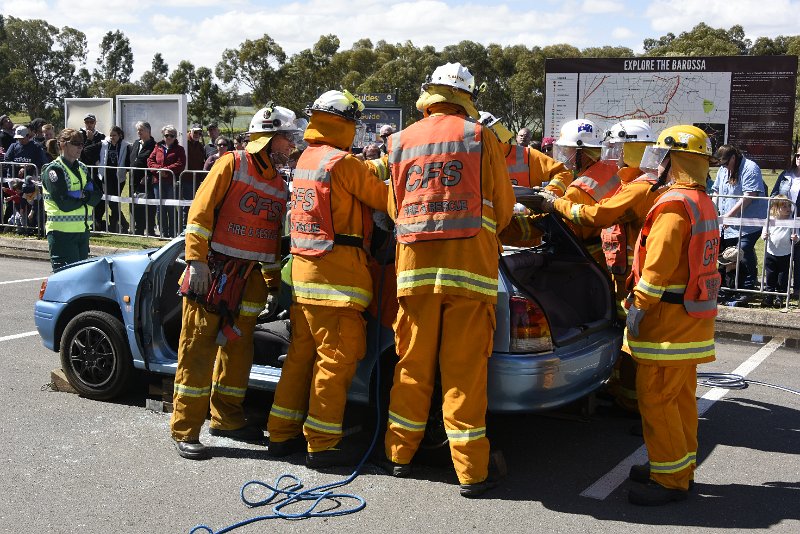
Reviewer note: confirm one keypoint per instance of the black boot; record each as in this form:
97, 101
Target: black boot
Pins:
654, 494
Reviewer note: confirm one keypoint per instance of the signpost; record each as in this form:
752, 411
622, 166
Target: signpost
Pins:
379, 109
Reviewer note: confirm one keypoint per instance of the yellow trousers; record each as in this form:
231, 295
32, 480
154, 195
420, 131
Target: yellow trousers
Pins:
327, 344
210, 374
668, 406
457, 333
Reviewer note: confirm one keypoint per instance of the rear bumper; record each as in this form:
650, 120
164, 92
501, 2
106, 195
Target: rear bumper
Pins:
536, 382
45, 316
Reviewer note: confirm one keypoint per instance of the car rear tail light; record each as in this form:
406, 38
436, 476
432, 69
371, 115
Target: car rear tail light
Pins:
529, 329
42, 289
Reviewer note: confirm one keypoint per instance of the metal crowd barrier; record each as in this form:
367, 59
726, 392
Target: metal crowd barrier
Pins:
26, 216
740, 222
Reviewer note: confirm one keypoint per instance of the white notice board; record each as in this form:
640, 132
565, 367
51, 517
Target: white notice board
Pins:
158, 110
75, 109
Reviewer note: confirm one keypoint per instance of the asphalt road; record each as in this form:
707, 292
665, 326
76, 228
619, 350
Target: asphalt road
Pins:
69, 464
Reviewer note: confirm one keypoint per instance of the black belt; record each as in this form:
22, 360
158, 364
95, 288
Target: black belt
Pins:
348, 240
672, 298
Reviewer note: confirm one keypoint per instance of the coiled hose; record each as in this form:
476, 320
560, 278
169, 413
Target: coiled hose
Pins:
734, 381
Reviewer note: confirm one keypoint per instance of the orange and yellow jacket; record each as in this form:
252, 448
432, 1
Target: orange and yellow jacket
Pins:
208, 199
668, 335
539, 168
341, 278
466, 267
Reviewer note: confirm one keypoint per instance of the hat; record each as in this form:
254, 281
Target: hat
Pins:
729, 255
21, 132
4, 117
258, 141
196, 127
548, 141
90, 117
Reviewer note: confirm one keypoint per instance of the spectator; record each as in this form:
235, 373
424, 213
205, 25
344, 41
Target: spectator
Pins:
170, 158
780, 240
547, 145
92, 141
788, 184
36, 131
28, 154
195, 160
371, 151
213, 133
222, 147
240, 142
114, 157
6, 132
524, 137
144, 217
741, 178
71, 195
385, 131
49, 132
51, 147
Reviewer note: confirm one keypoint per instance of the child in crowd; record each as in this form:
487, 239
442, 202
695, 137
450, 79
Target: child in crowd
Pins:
780, 240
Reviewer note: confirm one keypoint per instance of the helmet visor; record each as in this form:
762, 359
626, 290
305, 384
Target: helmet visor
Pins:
566, 155
612, 152
652, 159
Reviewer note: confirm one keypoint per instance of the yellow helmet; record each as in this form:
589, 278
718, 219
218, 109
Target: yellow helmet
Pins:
681, 138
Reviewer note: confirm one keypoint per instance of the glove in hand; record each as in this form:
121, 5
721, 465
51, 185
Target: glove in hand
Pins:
89, 186
633, 320
543, 202
199, 278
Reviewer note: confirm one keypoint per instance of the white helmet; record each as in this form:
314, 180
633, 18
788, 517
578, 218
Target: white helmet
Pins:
274, 119
341, 103
576, 135
452, 75
629, 131
494, 124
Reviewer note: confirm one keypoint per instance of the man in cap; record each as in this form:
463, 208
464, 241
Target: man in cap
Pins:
213, 133
333, 196
451, 197
30, 156
70, 196
233, 256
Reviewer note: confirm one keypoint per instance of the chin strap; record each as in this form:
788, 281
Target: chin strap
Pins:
662, 178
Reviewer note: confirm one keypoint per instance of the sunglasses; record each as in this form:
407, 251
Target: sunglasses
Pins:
797, 155
222, 145
169, 135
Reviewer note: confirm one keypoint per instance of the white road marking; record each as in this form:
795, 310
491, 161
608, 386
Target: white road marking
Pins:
17, 336
614, 478
23, 280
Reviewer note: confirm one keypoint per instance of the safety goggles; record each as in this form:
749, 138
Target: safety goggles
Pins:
612, 152
567, 155
652, 159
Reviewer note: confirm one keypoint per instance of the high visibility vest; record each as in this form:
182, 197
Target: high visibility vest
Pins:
248, 224
436, 176
615, 240
699, 297
311, 226
77, 220
519, 170
599, 181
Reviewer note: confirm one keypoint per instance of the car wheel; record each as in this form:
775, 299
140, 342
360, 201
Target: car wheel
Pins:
95, 355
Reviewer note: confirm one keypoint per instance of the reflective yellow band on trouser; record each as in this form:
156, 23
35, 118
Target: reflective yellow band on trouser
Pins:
440, 276
408, 424
674, 467
189, 391
286, 413
669, 351
229, 390
311, 290
321, 426
469, 434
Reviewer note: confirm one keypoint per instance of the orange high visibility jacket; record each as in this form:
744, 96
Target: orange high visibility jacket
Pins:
599, 181
463, 267
519, 171
616, 238
248, 224
436, 174
527, 167
312, 231
699, 295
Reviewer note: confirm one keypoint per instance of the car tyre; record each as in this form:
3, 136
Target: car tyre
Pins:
95, 355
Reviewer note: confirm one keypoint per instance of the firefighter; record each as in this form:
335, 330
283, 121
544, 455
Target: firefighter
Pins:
620, 217
673, 303
234, 225
451, 197
331, 220
578, 148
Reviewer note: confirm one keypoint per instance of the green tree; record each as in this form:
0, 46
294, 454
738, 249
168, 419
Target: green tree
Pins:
43, 62
254, 64
6, 91
158, 73
311, 72
208, 102
116, 58
702, 40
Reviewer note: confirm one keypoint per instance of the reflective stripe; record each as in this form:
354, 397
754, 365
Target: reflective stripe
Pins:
189, 391
242, 175
321, 426
229, 390
202, 231
437, 225
341, 293
242, 254
408, 424
439, 276
558, 184
575, 214
489, 224
650, 289
319, 174
674, 467
251, 308
470, 434
670, 351
66, 218
286, 413
468, 145
524, 227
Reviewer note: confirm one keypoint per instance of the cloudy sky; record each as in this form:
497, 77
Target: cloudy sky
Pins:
199, 30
